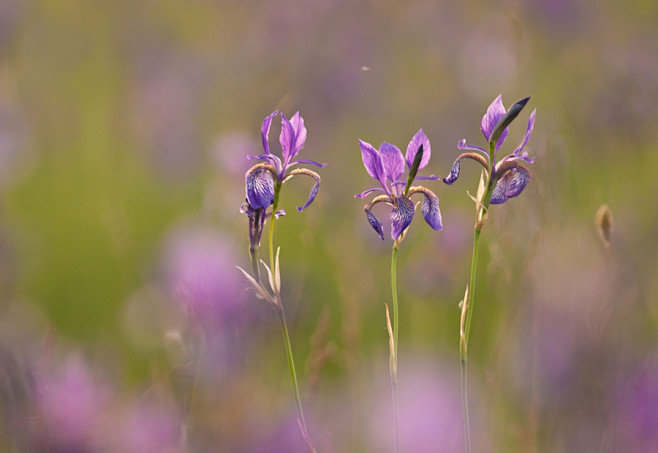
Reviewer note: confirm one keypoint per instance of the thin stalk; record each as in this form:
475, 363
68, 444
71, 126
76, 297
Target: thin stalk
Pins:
284, 328
463, 345
394, 344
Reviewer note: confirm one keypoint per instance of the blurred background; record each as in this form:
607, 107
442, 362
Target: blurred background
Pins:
124, 133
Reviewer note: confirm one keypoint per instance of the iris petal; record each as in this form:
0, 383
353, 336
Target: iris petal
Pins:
375, 223
314, 189
416, 141
265, 130
429, 207
510, 184
456, 166
259, 186
372, 160
392, 161
401, 216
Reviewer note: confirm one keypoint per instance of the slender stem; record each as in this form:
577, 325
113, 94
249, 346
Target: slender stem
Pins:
394, 352
293, 373
463, 345
284, 328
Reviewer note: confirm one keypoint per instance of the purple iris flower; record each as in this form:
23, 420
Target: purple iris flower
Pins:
263, 181
509, 175
386, 165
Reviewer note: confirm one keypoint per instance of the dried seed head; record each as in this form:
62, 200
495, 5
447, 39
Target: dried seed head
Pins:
604, 224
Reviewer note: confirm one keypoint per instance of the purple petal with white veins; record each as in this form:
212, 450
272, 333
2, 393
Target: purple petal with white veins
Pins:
494, 114
259, 187
412, 149
528, 132
293, 136
372, 160
392, 161
510, 184
454, 171
375, 223
401, 216
265, 130
429, 207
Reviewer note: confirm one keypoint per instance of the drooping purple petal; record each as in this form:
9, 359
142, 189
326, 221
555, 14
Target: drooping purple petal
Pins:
314, 189
528, 132
372, 160
401, 216
375, 223
454, 171
429, 207
492, 117
416, 141
259, 185
392, 161
265, 130
510, 184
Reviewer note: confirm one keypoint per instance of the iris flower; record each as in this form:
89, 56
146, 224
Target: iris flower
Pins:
386, 165
263, 181
508, 175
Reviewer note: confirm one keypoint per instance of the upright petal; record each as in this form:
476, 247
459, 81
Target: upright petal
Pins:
259, 184
510, 184
265, 130
372, 160
392, 161
528, 132
293, 136
401, 216
416, 141
493, 116
430, 207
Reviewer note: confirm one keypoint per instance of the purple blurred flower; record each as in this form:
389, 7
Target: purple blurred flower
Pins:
386, 165
638, 401
508, 175
149, 429
200, 271
71, 404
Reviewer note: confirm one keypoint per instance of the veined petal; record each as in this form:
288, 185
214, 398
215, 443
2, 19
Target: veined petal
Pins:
429, 207
510, 184
401, 216
416, 141
272, 160
493, 116
528, 132
259, 183
372, 160
265, 130
392, 161
500, 131
456, 166
314, 189
374, 221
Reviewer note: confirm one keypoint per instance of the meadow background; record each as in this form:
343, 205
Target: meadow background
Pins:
124, 131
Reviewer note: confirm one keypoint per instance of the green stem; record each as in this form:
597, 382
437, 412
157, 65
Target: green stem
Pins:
293, 373
463, 344
284, 327
394, 352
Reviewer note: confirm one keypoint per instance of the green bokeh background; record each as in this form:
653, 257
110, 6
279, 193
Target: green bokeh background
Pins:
110, 118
